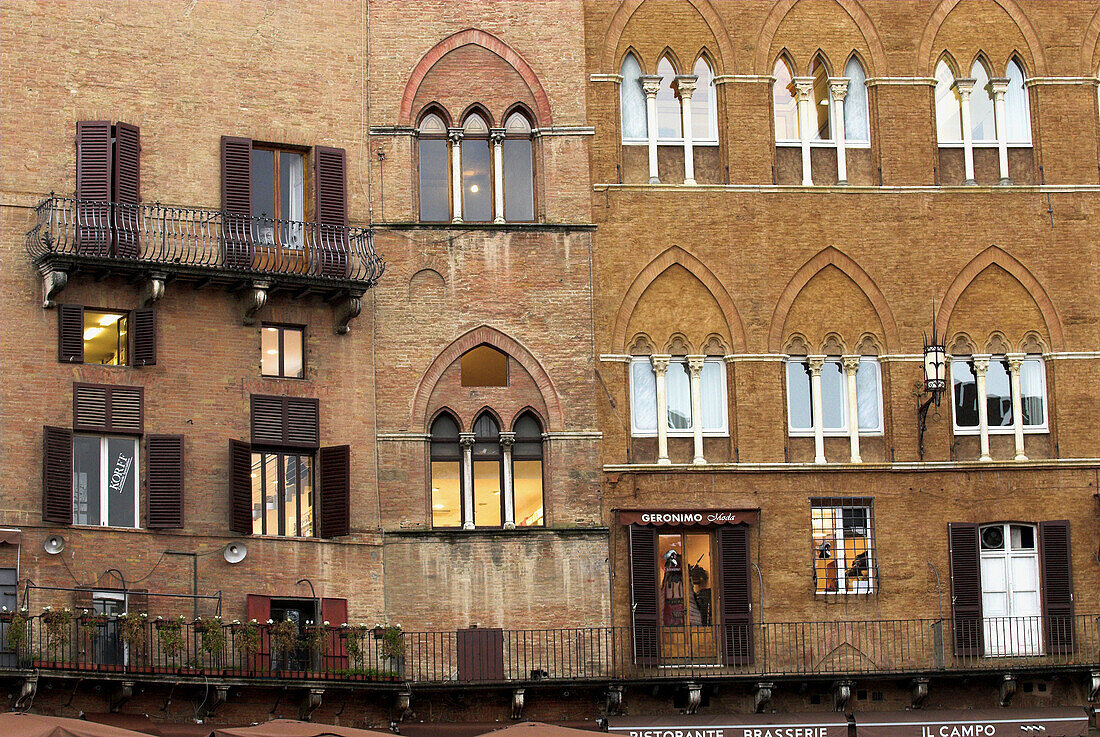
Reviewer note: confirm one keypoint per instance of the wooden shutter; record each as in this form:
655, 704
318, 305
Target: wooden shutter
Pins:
335, 612
643, 593
268, 419
290, 422
966, 588
93, 187
335, 476
108, 408
240, 487
331, 212
164, 460
736, 594
143, 327
480, 654
70, 333
259, 608
127, 190
237, 201
57, 475
303, 422
1054, 556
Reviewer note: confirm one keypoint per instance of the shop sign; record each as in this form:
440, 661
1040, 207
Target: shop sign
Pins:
692, 518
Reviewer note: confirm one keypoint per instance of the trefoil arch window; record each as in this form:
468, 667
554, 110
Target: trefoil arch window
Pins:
857, 126
999, 395
515, 172
632, 102
834, 396
476, 188
433, 169
683, 396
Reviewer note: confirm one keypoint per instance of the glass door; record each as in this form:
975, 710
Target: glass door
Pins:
109, 647
687, 600
1011, 608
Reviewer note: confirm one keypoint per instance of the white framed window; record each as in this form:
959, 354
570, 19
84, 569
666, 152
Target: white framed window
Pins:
986, 131
834, 397
785, 105
1017, 106
679, 419
105, 481
948, 106
857, 125
704, 105
998, 396
983, 125
843, 546
632, 102
669, 121
1011, 600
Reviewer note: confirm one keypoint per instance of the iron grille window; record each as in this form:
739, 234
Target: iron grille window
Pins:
843, 546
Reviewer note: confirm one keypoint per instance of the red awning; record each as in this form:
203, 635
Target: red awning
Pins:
15, 724
687, 517
10, 536
1065, 722
825, 724
142, 723
294, 728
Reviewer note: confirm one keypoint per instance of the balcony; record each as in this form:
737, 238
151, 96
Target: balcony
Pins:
159, 244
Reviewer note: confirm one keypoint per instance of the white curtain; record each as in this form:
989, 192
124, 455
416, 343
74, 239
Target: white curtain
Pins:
981, 105
948, 106
868, 392
799, 409
713, 396
856, 125
632, 100
679, 396
1017, 110
834, 396
703, 104
643, 396
1033, 392
295, 210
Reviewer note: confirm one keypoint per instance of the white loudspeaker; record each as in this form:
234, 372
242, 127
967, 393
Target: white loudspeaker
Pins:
234, 552
54, 544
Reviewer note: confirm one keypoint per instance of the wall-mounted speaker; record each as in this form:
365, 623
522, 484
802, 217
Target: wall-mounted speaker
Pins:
54, 544
234, 552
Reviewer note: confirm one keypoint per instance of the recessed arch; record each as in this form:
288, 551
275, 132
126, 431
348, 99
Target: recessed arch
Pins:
434, 108
501, 341
821, 56
707, 57
476, 108
946, 58
982, 58
925, 61
996, 255
517, 107
1090, 47
656, 267
528, 410
444, 412
830, 256
631, 51
703, 7
668, 53
487, 410
855, 12
486, 41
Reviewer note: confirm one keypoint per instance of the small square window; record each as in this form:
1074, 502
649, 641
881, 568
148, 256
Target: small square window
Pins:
282, 351
106, 337
843, 544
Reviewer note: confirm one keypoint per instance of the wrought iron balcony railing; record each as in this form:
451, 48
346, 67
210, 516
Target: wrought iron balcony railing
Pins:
598, 654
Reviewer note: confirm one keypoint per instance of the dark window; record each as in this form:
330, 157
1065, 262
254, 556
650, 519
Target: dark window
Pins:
518, 156
282, 494
105, 481
477, 188
434, 170
282, 351
843, 546
484, 366
446, 460
278, 196
964, 387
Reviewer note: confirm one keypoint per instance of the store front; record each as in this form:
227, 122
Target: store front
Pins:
1062, 722
827, 724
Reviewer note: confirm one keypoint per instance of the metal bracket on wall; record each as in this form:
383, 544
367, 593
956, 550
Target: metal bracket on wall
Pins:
615, 700
1008, 688
121, 695
403, 705
27, 690
695, 697
918, 692
762, 696
212, 703
517, 703
1094, 685
311, 700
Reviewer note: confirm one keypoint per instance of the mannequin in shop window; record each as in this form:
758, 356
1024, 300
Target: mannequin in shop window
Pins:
700, 593
676, 599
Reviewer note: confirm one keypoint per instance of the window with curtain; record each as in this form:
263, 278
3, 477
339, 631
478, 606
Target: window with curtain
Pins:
704, 105
821, 111
527, 471
784, 103
1017, 107
668, 105
998, 391
278, 197
643, 397
433, 169
982, 124
678, 417
488, 510
857, 128
519, 178
834, 397
632, 101
477, 187
446, 462
948, 106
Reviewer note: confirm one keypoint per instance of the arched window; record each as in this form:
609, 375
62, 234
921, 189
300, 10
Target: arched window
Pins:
948, 106
435, 203
1017, 109
668, 106
704, 107
518, 155
632, 100
857, 127
477, 194
446, 461
527, 472
487, 472
982, 123
784, 103
823, 130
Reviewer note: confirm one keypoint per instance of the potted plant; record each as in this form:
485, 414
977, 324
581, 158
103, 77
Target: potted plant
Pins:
212, 639
315, 637
393, 649
58, 624
284, 640
91, 626
19, 630
132, 628
170, 634
246, 641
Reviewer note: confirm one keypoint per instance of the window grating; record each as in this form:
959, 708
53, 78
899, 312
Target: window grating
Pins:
843, 546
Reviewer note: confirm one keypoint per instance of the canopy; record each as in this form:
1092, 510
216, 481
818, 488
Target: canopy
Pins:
17, 724
293, 728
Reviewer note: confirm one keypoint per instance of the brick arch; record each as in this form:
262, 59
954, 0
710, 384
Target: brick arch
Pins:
830, 256
502, 342
1090, 46
855, 12
925, 53
487, 41
676, 255
703, 7
1000, 257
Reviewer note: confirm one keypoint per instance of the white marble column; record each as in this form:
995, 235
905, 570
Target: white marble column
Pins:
496, 136
507, 440
455, 136
965, 87
651, 84
804, 90
685, 87
816, 363
695, 368
851, 366
1000, 122
1015, 361
981, 367
838, 90
660, 371
466, 440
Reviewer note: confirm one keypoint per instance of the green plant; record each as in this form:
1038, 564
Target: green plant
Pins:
246, 637
353, 643
18, 630
211, 636
90, 624
315, 638
58, 627
284, 636
170, 634
393, 642
132, 629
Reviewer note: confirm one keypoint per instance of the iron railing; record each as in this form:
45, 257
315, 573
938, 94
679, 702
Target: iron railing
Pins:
160, 236
596, 654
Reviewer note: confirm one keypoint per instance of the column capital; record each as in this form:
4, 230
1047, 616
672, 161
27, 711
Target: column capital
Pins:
999, 85
507, 440
455, 134
850, 363
660, 362
651, 84
804, 87
981, 364
838, 88
815, 363
466, 439
496, 135
1015, 360
965, 86
685, 85
695, 364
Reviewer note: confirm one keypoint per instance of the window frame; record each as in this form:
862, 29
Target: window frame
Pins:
714, 575
126, 315
722, 432
837, 505
104, 474
280, 486
513, 135
625, 140
279, 217
1041, 429
845, 429
282, 328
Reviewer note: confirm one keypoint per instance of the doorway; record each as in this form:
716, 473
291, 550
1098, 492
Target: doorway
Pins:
1011, 602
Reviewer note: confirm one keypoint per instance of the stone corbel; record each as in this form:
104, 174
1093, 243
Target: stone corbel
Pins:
153, 290
1094, 685
123, 693
403, 705
346, 310
918, 692
1008, 688
255, 299
213, 703
27, 690
842, 695
615, 700
695, 697
517, 703
52, 284
762, 696
310, 702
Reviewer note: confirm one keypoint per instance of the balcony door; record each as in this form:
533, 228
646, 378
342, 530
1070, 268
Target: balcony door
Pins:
1011, 603
686, 598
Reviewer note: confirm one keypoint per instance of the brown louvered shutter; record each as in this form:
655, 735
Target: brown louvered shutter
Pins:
93, 187
1054, 552
164, 459
237, 201
144, 327
335, 476
240, 487
291, 422
267, 420
70, 333
643, 593
330, 186
57, 475
966, 588
303, 423
127, 190
736, 594
90, 408
108, 408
